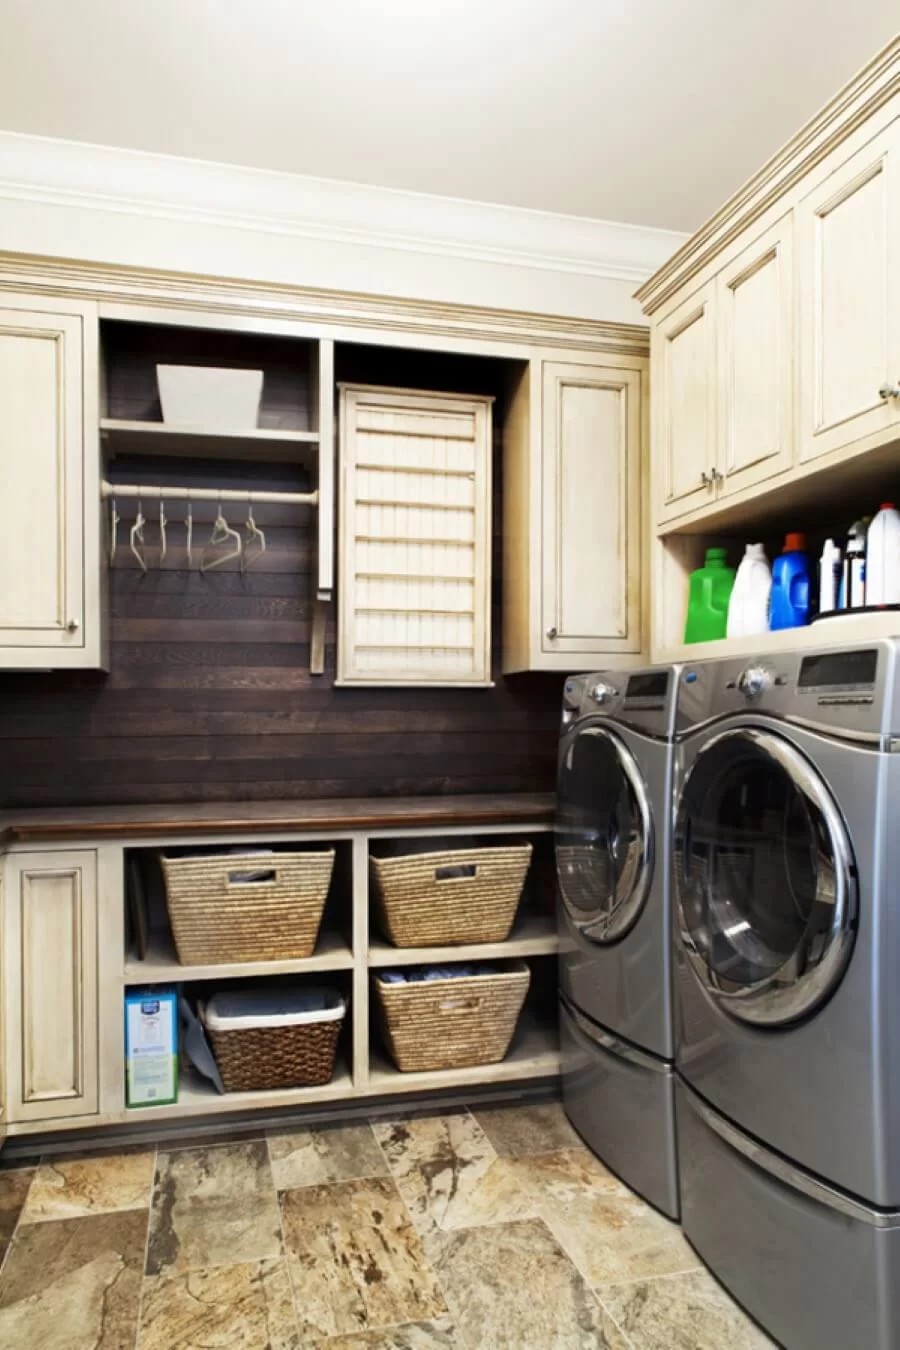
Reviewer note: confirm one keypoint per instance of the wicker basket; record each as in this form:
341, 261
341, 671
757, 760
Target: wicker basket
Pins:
452, 1023
246, 907
264, 1058
449, 898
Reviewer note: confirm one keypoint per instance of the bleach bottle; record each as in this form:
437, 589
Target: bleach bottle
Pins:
748, 608
883, 557
790, 585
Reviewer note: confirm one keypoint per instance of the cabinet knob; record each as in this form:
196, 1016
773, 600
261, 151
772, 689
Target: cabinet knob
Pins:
708, 479
73, 626
552, 632
888, 390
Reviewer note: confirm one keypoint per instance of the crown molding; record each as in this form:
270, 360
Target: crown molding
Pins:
875, 85
51, 172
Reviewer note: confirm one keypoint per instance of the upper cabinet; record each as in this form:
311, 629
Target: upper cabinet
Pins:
572, 515
848, 226
50, 612
684, 402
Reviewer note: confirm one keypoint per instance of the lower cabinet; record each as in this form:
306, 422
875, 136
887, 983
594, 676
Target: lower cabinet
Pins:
50, 985
573, 593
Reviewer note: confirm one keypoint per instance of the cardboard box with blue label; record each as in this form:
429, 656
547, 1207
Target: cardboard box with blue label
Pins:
151, 1047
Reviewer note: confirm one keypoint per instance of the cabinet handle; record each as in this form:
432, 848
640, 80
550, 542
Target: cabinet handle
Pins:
889, 391
705, 479
552, 632
73, 625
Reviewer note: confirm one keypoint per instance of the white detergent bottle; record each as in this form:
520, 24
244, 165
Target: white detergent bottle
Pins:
748, 607
883, 557
829, 577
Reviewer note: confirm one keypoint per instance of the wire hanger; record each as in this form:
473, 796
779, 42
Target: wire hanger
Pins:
114, 519
255, 546
163, 522
221, 534
189, 531
137, 536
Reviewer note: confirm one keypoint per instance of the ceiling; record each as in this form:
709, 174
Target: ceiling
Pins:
649, 112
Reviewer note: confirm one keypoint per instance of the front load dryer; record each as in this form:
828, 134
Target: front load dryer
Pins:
786, 882
612, 855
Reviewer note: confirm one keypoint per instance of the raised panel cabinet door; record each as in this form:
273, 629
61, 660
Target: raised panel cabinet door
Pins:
42, 536
50, 985
848, 229
684, 405
591, 518
754, 307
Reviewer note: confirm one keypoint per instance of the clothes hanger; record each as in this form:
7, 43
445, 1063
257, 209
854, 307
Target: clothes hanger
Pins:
137, 536
114, 519
189, 531
163, 522
221, 534
255, 546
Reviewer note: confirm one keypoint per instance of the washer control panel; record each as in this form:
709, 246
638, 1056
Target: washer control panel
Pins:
603, 693
754, 681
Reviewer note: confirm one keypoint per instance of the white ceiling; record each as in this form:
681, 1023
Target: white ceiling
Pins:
644, 111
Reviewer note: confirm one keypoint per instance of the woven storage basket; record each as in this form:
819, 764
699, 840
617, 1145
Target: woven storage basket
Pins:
452, 897
264, 1058
217, 915
452, 1023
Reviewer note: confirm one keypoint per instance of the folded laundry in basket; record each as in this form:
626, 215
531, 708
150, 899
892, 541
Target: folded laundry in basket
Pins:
436, 973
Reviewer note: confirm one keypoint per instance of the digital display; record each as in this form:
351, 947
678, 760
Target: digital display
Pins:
648, 684
838, 668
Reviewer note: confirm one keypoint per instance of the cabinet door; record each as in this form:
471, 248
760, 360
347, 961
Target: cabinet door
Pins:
684, 402
50, 985
42, 470
847, 232
591, 525
754, 310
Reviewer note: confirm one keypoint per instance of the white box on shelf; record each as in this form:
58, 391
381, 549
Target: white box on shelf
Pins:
212, 397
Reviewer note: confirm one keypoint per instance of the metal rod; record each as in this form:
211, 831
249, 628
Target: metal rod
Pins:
184, 494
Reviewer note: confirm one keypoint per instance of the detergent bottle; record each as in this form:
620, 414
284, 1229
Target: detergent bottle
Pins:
710, 591
790, 585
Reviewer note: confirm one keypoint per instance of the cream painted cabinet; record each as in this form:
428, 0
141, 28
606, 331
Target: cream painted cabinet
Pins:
684, 405
49, 506
50, 985
755, 335
573, 580
848, 233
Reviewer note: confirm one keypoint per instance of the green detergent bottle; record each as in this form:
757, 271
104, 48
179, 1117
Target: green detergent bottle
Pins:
710, 591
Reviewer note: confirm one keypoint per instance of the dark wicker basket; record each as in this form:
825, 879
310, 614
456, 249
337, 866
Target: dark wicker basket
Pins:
265, 1058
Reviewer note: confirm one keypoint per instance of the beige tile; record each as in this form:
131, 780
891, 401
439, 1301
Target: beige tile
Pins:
439, 1334
317, 1157
239, 1307
413, 1140
213, 1207
69, 1188
682, 1312
13, 1190
512, 1287
74, 1284
617, 1237
356, 1261
514, 1130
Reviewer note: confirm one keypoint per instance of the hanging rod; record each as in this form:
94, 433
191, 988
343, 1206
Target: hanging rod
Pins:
181, 494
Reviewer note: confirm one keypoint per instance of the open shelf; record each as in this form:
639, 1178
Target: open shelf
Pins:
197, 1097
161, 965
534, 1053
124, 437
533, 935
852, 630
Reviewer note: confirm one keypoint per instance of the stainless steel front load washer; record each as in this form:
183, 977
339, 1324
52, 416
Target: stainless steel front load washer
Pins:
786, 880
612, 856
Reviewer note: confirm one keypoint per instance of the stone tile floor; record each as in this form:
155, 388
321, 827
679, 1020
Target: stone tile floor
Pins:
477, 1230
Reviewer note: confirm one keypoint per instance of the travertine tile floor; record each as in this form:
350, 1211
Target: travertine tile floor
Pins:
477, 1230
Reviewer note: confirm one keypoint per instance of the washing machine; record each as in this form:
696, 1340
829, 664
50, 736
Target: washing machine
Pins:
612, 843
786, 883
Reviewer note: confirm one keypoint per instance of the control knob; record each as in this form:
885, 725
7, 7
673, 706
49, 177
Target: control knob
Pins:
603, 693
754, 680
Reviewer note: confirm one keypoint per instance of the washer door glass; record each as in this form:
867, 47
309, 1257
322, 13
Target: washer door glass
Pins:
764, 878
604, 834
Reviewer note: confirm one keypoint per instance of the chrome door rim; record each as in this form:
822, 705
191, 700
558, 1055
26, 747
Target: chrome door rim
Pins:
611, 926
766, 1002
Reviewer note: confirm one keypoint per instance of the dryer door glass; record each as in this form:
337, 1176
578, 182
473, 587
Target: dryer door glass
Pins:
764, 878
604, 834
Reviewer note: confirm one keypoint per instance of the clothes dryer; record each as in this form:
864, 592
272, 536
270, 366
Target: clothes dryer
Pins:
612, 853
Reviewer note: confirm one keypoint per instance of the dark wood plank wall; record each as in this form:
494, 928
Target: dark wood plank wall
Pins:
209, 696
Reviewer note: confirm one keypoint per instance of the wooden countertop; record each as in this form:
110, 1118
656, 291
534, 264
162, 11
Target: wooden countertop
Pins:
153, 822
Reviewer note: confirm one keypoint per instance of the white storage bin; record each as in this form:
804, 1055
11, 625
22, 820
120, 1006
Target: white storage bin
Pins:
216, 398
